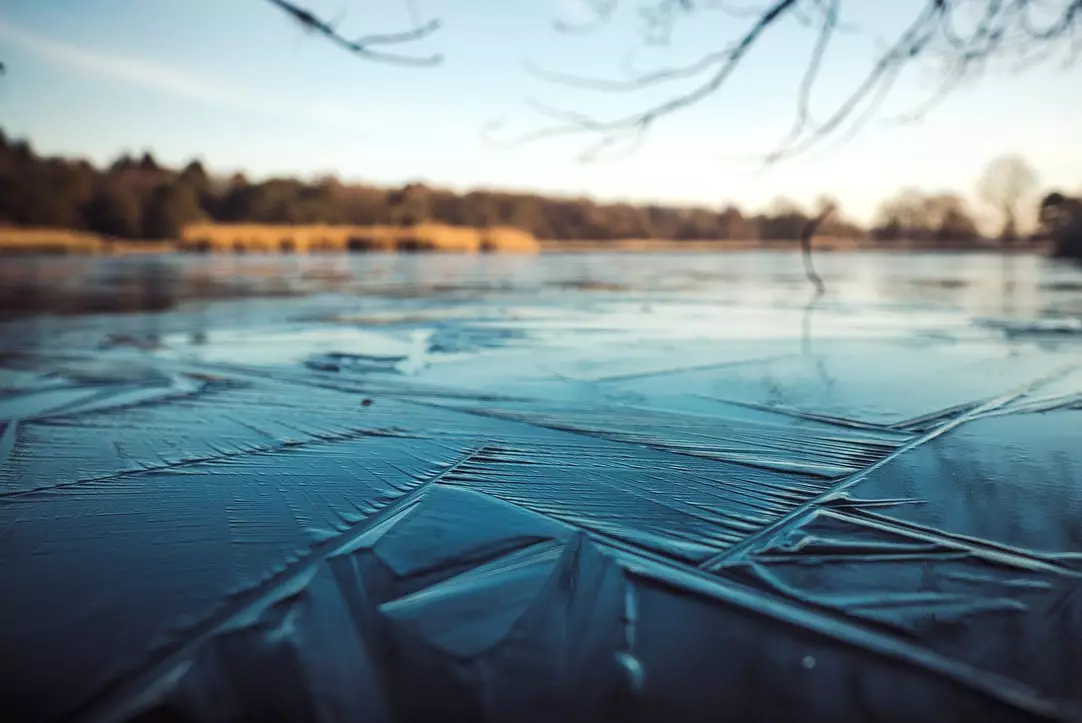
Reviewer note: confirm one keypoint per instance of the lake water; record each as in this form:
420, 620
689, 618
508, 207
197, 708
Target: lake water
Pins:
582, 487
1022, 284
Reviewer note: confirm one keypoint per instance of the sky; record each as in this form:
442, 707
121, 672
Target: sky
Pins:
239, 86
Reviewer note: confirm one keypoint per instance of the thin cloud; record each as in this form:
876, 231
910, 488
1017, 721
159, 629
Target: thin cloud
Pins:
171, 81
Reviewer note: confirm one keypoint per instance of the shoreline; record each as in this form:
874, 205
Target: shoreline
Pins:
823, 245
59, 242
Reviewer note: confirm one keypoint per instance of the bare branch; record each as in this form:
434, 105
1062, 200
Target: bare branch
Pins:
949, 82
806, 248
966, 34
726, 62
405, 36
830, 20
362, 46
885, 72
659, 19
603, 11
746, 11
637, 81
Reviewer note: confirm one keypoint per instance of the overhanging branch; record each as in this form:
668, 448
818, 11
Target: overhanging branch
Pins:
364, 46
998, 28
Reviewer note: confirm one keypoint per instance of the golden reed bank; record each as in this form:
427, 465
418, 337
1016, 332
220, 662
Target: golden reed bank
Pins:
264, 239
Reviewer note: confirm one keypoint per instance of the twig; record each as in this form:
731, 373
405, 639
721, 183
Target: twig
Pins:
807, 84
999, 28
727, 61
362, 46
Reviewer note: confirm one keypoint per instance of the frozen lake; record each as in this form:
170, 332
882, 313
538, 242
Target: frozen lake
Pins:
586, 486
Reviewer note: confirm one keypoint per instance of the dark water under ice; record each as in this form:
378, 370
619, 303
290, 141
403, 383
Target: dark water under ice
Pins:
583, 487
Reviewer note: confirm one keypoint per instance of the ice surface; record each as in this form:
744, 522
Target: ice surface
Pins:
566, 488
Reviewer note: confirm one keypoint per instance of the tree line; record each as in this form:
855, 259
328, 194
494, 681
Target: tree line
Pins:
137, 198
1061, 219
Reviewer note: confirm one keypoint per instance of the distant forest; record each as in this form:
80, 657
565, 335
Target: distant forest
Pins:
136, 198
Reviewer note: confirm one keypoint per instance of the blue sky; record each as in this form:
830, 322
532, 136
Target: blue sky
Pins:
239, 86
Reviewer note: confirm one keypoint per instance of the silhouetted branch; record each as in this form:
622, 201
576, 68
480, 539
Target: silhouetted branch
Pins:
603, 11
995, 29
660, 18
362, 46
807, 84
949, 82
806, 248
735, 11
881, 77
726, 62
638, 81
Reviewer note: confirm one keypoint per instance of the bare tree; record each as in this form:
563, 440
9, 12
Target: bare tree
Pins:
939, 218
1006, 183
963, 35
